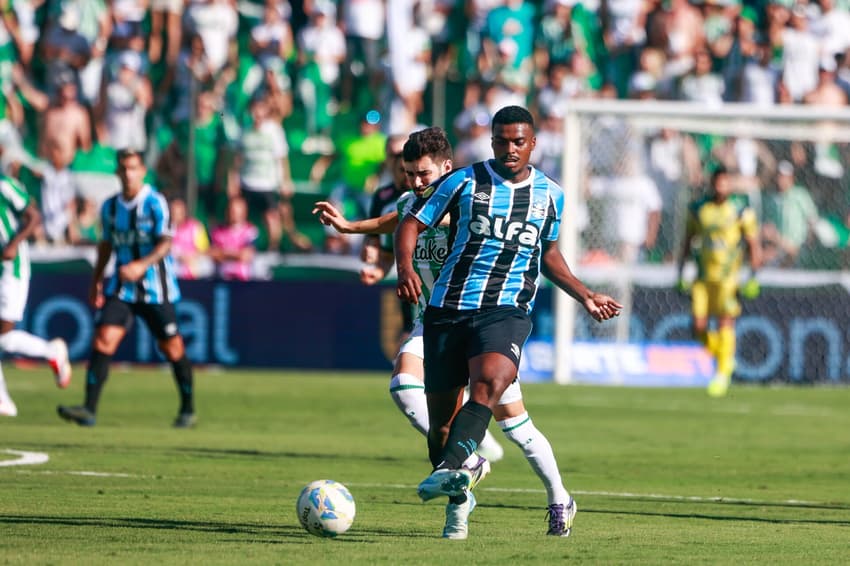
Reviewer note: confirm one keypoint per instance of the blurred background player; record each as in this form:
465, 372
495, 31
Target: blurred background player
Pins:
137, 227
20, 219
427, 157
724, 226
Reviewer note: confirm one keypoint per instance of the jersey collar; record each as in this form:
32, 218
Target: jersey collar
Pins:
522, 184
136, 199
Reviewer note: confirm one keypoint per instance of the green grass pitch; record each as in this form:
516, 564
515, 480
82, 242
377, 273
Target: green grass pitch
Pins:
660, 475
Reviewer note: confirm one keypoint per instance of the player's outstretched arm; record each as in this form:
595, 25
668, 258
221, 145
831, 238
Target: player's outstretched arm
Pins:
330, 216
599, 306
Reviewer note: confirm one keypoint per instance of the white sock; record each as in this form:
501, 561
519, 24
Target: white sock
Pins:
522, 432
408, 392
7, 406
20, 342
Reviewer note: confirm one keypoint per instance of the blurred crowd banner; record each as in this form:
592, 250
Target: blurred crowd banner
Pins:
799, 334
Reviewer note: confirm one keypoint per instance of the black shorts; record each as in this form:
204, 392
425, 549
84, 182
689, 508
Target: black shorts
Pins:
161, 320
260, 202
451, 338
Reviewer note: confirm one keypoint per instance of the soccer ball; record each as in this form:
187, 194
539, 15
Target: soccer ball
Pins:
325, 508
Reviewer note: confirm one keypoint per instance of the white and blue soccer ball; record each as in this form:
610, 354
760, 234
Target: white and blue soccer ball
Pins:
325, 508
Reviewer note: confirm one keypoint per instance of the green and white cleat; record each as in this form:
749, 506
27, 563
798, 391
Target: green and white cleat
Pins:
457, 518
444, 482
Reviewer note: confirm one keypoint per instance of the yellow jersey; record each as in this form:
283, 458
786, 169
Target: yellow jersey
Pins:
720, 230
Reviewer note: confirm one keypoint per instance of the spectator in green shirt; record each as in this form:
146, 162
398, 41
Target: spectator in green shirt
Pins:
790, 215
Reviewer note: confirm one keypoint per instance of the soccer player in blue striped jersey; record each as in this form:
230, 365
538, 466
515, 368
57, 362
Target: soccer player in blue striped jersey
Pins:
137, 230
504, 222
428, 156
18, 220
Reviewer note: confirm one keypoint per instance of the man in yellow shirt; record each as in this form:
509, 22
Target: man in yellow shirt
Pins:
719, 231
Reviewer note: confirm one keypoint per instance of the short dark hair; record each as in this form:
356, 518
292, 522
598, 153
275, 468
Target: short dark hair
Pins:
126, 152
430, 141
718, 171
513, 115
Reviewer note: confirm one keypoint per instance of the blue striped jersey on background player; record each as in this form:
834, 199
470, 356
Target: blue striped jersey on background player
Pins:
133, 228
495, 256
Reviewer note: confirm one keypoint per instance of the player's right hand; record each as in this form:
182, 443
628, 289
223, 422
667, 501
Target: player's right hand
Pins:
409, 287
96, 295
10, 252
683, 287
329, 215
751, 289
371, 274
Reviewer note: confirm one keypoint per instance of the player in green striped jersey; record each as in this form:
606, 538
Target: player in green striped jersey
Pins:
18, 220
423, 165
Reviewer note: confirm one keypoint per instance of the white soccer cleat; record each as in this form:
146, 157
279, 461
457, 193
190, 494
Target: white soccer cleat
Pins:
490, 448
479, 468
60, 363
444, 482
457, 518
7, 406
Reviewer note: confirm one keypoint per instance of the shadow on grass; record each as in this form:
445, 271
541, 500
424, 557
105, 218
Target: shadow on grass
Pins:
706, 516
266, 533
231, 452
211, 453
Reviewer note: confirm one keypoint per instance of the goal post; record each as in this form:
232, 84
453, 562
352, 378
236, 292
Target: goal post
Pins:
623, 161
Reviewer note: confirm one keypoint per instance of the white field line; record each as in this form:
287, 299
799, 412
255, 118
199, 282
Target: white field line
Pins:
88, 473
614, 494
24, 458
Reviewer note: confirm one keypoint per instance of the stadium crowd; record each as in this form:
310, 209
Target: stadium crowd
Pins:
280, 102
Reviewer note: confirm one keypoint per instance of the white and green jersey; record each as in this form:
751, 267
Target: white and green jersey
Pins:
14, 199
262, 149
432, 249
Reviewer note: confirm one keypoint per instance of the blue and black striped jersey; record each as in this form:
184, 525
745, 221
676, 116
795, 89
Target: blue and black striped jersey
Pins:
496, 227
134, 228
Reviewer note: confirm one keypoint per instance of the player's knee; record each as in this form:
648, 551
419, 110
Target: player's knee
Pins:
105, 344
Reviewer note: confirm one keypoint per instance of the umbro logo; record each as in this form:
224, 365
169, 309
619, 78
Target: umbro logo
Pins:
515, 349
481, 197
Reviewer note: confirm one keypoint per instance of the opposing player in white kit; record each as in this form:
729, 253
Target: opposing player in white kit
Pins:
20, 219
427, 157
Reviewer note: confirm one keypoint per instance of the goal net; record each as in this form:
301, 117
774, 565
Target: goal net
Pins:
629, 170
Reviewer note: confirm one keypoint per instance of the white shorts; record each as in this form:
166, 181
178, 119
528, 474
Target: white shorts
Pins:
173, 6
13, 295
415, 345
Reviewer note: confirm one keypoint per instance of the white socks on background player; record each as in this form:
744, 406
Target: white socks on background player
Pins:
7, 406
522, 432
20, 342
408, 392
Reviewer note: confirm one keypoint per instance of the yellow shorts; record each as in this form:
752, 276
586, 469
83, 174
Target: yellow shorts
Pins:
715, 298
